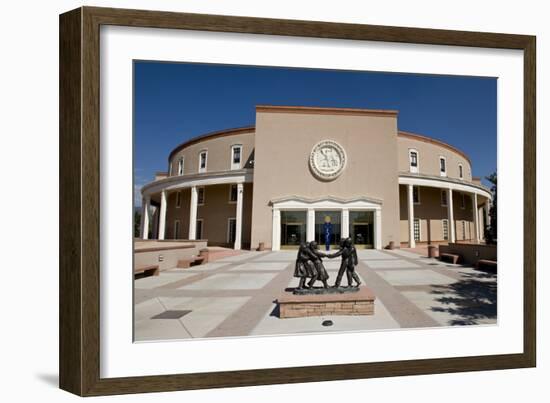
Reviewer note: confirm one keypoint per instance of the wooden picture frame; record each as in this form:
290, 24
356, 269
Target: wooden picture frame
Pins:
80, 197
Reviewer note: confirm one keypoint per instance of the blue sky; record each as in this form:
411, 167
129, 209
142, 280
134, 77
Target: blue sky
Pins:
178, 101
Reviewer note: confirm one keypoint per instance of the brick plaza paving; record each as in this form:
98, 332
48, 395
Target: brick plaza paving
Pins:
235, 296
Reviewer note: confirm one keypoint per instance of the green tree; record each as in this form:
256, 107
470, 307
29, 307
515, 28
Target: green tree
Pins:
491, 229
137, 223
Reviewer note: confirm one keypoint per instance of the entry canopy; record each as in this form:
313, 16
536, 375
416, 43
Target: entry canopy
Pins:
328, 202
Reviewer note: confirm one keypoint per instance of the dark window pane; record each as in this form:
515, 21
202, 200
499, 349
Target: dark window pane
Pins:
233, 192
293, 227
200, 195
414, 159
236, 155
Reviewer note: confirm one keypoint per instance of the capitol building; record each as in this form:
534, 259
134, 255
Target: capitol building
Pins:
278, 183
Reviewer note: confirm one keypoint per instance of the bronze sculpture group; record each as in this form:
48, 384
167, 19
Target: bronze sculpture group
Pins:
309, 264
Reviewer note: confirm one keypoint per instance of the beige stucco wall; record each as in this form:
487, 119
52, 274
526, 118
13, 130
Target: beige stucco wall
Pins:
215, 214
219, 153
182, 214
431, 215
428, 158
463, 217
283, 144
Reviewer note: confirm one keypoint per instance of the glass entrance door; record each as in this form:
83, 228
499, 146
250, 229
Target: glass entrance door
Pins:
293, 228
328, 228
361, 228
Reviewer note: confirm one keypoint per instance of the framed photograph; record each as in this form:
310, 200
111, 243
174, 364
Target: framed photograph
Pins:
248, 201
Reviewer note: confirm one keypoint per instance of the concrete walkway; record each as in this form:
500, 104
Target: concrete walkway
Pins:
235, 296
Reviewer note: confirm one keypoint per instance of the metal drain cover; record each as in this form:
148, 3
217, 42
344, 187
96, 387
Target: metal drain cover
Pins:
174, 314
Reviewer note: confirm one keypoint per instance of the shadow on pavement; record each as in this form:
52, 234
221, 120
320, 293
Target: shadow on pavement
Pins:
472, 299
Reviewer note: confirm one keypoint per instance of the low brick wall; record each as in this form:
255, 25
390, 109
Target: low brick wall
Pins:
166, 257
470, 253
298, 306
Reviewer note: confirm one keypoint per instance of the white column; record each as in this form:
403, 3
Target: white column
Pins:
450, 215
162, 216
239, 216
412, 242
378, 229
276, 230
481, 228
345, 223
475, 212
193, 214
146, 201
310, 225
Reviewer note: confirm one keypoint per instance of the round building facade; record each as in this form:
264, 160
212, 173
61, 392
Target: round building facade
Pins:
301, 170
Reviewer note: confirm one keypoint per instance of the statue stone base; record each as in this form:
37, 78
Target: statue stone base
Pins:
352, 301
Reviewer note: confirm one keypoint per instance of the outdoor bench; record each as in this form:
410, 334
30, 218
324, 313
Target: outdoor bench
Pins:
192, 261
151, 270
450, 256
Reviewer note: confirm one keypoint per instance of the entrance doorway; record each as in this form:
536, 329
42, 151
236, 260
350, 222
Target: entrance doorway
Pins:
361, 228
231, 230
293, 228
328, 228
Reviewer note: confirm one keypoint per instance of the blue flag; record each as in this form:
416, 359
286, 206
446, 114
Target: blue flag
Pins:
327, 229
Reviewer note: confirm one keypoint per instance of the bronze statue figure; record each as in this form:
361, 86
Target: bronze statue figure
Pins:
320, 271
349, 261
304, 266
309, 264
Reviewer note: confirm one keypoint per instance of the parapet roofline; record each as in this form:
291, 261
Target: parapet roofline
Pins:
431, 140
313, 110
210, 135
325, 110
